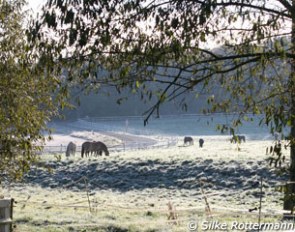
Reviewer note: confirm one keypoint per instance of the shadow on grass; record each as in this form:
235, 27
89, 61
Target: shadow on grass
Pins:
138, 175
65, 226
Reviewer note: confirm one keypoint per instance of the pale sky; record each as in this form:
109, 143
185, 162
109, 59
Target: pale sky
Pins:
36, 4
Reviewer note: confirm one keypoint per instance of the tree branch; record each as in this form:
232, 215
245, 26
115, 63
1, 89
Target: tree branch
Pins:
251, 6
287, 5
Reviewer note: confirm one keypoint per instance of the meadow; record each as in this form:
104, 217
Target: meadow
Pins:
170, 188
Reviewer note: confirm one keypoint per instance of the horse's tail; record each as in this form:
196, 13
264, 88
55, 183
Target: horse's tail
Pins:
82, 151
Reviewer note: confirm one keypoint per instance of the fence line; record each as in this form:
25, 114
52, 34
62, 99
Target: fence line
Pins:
229, 210
215, 209
180, 220
116, 148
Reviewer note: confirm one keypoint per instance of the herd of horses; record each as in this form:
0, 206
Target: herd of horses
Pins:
97, 148
235, 139
190, 141
88, 148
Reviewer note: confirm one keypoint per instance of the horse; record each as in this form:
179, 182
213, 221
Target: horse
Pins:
242, 138
238, 138
201, 142
99, 147
71, 149
86, 149
188, 140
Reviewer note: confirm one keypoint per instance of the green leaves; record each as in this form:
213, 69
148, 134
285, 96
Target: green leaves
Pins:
84, 36
276, 158
28, 92
203, 36
174, 23
50, 20
73, 36
69, 18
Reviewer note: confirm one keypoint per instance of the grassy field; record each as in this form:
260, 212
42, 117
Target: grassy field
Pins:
131, 191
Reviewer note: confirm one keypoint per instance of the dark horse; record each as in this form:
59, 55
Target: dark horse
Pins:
188, 140
71, 149
99, 147
86, 149
89, 148
201, 142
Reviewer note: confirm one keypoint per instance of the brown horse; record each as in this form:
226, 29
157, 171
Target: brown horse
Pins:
86, 149
99, 147
188, 140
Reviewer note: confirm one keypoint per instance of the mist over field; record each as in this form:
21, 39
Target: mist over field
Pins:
105, 104
107, 101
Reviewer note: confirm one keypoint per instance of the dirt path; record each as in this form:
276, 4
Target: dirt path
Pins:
132, 140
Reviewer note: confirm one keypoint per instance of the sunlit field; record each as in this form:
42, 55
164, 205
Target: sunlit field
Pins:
163, 189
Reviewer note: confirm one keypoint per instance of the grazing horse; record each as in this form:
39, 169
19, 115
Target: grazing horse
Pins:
94, 147
86, 149
99, 147
238, 139
71, 149
201, 142
188, 140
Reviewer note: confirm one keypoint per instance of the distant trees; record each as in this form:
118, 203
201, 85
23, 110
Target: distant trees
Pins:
171, 43
28, 93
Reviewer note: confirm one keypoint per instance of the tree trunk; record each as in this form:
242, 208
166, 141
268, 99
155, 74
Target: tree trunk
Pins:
289, 201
